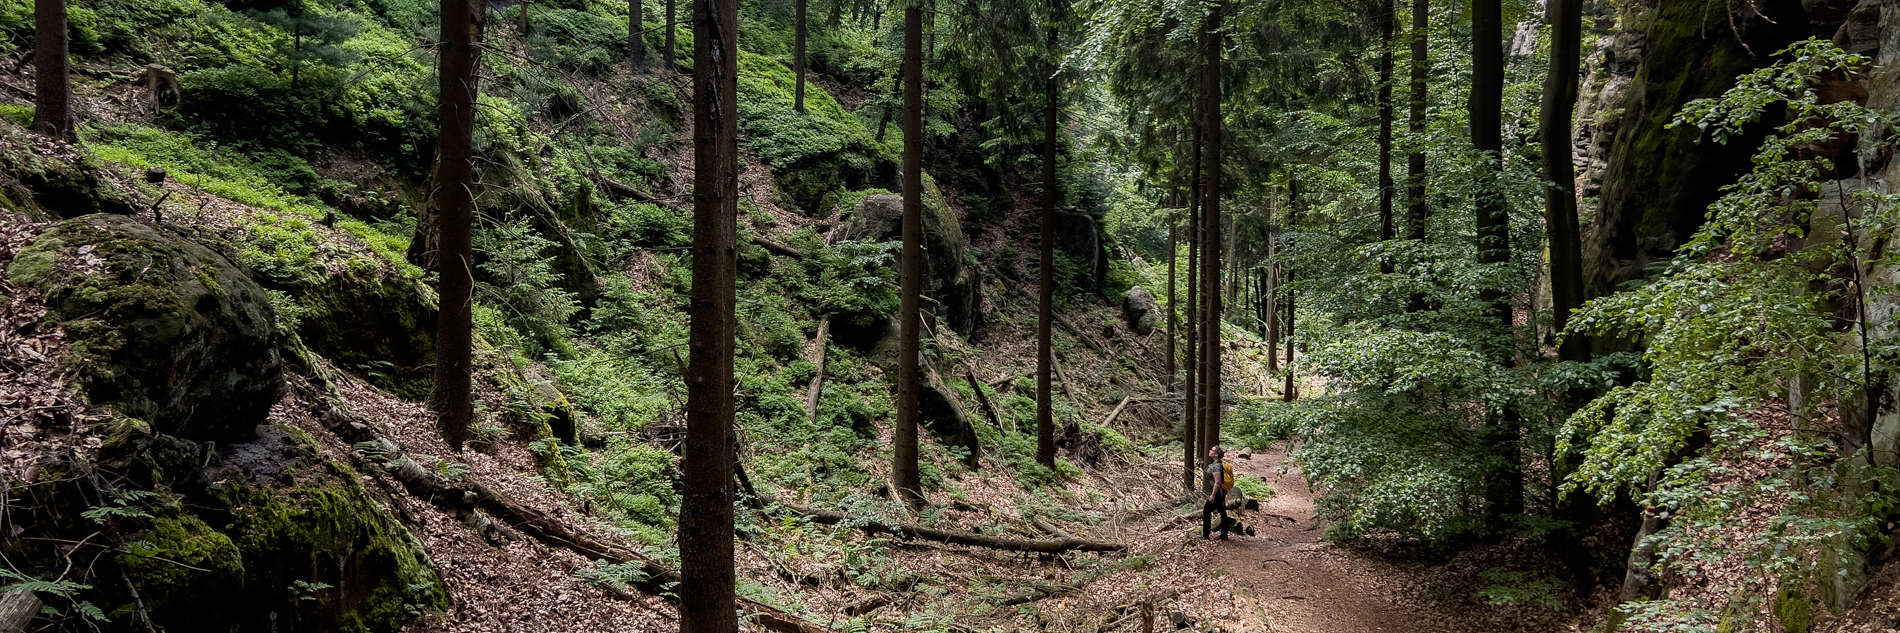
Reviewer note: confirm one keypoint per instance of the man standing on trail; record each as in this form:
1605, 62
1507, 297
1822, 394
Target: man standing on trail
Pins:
1216, 481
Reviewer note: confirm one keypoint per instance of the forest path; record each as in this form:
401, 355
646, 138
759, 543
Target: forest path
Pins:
1288, 579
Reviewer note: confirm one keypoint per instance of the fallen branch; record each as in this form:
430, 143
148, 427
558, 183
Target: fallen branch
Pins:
18, 608
778, 248
912, 530
988, 409
1116, 413
1051, 528
818, 379
1064, 376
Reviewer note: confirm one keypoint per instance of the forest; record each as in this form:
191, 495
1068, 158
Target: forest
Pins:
957, 316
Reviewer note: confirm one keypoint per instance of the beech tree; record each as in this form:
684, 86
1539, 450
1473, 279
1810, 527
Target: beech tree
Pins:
1560, 195
666, 52
1388, 24
909, 485
52, 77
455, 178
1415, 210
706, 593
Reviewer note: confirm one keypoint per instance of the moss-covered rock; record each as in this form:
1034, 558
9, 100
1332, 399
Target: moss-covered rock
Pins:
166, 330
172, 563
38, 183
319, 552
376, 323
950, 279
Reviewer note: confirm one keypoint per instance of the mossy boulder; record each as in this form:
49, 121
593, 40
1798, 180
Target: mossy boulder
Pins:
165, 330
40, 183
321, 555
950, 278
172, 563
374, 322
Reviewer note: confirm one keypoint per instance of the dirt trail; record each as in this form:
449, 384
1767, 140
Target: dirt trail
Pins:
1287, 579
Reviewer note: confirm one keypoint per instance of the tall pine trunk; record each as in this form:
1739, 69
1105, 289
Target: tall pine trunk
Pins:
1174, 242
1191, 404
707, 601
52, 89
455, 178
1415, 209
666, 54
1045, 284
909, 486
1560, 194
1388, 24
636, 33
798, 54
1211, 193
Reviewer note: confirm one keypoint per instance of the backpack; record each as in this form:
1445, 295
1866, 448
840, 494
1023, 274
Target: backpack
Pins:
1226, 476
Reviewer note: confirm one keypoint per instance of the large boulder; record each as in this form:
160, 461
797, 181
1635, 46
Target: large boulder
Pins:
1079, 238
165, 330
1141, 310
375, 322
949, 278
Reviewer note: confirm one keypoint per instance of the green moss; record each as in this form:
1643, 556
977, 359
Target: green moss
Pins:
32, 265
328, 532
175, 561
1793, 610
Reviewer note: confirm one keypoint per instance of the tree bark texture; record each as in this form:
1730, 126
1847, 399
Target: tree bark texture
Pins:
798, 54
1416, 212
451, 398
1211, 217
707, 601
1045, 284
909, 486
52, 75
636, 33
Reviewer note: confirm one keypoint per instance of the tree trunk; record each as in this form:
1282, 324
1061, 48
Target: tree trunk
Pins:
1211, 217
52, 80
455, 178
1487, 135
909, 486
636, 33
798, 54
666, 53
1290, 392
1560, 194
1045, 285
837, 14
1388, 24
1415, 209
707, 600
1191, 403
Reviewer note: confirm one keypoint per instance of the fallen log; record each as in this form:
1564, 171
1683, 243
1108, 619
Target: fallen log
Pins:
17, 609
1051, 528
464, 495
912, 530
778, 248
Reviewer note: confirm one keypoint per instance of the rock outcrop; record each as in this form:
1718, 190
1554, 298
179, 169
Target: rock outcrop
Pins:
950, 278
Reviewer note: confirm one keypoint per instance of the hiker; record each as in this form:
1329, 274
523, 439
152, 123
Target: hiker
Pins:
1218, 479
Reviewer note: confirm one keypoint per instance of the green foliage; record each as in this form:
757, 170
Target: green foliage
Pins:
576, 40
1510, 588
1254, 487
520, 282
